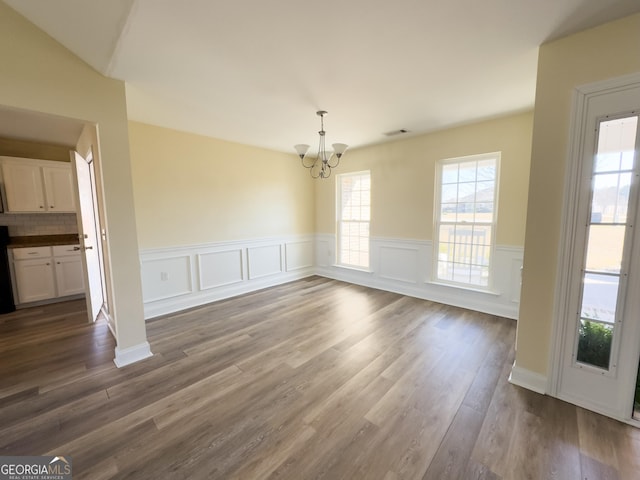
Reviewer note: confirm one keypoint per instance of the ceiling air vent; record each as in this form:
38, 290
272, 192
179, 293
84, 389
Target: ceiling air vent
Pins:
396, 132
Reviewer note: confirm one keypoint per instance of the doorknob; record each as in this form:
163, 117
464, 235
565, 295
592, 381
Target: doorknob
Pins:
88, 248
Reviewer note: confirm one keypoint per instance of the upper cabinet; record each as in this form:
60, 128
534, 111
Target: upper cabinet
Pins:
59, 190
37, 186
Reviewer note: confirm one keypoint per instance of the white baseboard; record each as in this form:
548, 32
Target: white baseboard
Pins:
533, 381
127, 356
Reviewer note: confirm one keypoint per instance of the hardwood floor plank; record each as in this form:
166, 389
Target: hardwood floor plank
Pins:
318, 457
311, 379
497, 431
349, 395
627, 446
453, 455
104, 470
92, 449
478, 471
450, 461
51, 426
557, 436
266, 461
592, 469
596, 434
484, 384
20, 393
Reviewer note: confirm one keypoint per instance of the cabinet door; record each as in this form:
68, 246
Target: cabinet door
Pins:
24, 187
34, 280
69, 278
59, 189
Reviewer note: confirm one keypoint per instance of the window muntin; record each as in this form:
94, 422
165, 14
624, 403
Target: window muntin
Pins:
466, 205
354, 215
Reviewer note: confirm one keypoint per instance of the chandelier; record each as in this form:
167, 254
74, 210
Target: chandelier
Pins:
320, 167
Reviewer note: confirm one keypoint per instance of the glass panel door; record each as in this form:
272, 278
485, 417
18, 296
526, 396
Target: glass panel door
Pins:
607, 245
598, 307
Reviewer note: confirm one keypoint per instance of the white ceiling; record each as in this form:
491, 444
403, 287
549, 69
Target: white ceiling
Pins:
255, 71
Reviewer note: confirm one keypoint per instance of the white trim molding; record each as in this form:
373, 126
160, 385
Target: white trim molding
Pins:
404, 266
183, 277
127, 356
177, 278
533, 381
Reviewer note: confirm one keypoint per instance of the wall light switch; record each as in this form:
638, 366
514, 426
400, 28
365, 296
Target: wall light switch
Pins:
164, 276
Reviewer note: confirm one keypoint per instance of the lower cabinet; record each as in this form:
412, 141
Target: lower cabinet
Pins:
43, 273
68, 268
34, 280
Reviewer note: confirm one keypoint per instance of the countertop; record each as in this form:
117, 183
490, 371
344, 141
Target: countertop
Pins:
43, 240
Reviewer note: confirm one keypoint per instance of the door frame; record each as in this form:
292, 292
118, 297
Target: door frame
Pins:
88, 144
563, 314
86, 235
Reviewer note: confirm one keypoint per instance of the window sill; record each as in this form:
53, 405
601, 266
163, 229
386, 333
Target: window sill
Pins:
464, 287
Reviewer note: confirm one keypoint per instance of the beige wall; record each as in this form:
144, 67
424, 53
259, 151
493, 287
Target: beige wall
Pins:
402, 178
191, 189
39, 74
601, 53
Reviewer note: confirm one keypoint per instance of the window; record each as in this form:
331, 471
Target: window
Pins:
354, 213
466, 205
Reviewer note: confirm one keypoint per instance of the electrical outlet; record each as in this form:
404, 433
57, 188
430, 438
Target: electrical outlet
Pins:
164, 276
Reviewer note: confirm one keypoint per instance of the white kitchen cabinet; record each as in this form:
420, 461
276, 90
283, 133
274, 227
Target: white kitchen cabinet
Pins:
58, 188
23, 186
37, 186
34, 279
68, 268
44, 273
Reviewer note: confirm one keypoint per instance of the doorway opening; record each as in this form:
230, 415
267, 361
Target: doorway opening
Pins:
36, 135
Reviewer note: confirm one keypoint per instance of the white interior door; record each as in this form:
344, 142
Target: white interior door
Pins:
601, 334
88, 230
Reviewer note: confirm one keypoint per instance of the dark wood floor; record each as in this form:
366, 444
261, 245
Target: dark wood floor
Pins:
312, 379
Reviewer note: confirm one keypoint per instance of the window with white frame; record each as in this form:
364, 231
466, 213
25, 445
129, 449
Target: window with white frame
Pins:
354, 214
465, 219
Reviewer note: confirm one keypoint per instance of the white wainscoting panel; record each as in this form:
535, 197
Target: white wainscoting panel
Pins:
399, 263
298, 255
217, 269
178, 278
325, 255
264, 261
405, 266
166, 277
